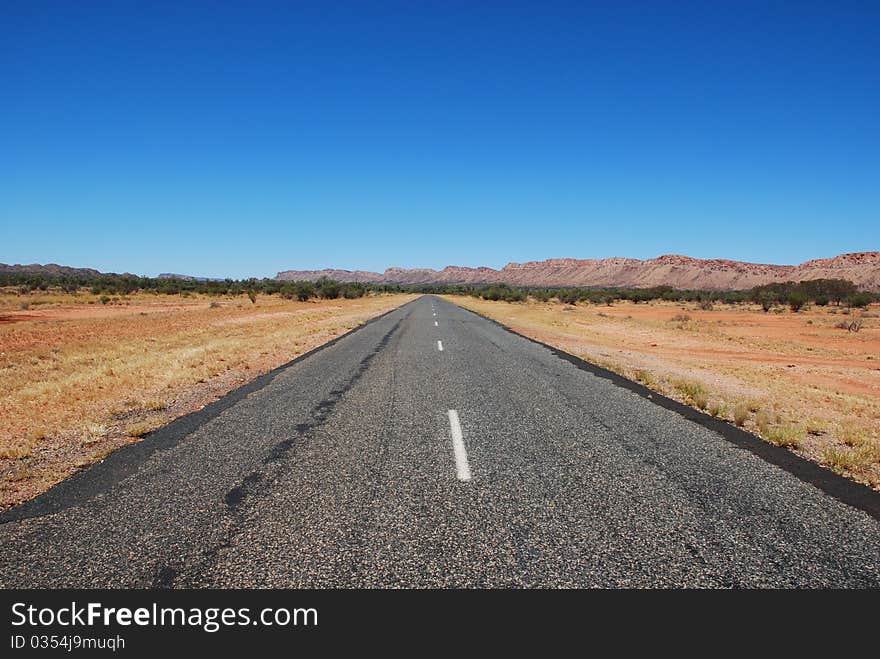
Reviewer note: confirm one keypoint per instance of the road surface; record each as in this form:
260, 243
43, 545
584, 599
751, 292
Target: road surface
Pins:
433, 448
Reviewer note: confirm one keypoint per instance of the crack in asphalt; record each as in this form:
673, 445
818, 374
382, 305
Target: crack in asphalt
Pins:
259, 483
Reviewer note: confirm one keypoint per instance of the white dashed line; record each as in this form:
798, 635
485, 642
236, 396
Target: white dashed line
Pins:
462, 468
435, 324
440, 346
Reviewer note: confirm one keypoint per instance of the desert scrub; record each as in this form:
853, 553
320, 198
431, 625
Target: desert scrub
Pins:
145, 427
717, 408
740, 414
764, 419
859, 438
852, 434
694, 393
785, 435
644, 377
814, 426
844, 459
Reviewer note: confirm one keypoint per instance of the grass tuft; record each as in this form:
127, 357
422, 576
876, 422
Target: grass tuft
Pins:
694, 393
784, 435
740, 414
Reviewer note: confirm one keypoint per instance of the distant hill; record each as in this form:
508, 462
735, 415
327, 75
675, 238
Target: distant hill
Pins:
49, 269
171, 275
862, 268
54, 269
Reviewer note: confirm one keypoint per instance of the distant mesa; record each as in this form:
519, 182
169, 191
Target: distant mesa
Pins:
862, 268
50, 269
172, 275
63, 270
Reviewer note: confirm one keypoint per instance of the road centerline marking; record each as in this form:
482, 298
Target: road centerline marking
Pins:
435, 324
440, 345
462, 468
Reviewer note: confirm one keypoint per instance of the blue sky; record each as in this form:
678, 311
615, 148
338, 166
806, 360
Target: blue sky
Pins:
225, 140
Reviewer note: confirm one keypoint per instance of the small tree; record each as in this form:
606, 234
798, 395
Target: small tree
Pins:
859, 300
252, 295
796, 300
304, 290
328, 289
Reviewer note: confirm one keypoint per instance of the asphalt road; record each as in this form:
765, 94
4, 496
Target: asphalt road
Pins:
346, 469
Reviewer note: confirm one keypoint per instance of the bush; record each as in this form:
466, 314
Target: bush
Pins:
328, 289
570, 296
353, 291
859, 300
104, 299
796, 300
304, 290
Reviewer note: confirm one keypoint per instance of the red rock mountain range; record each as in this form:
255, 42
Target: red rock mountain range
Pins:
862, 268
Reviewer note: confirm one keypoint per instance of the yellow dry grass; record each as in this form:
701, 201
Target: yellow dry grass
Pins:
796, 379
79, 378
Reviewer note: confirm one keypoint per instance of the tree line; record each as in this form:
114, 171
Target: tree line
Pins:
793, 294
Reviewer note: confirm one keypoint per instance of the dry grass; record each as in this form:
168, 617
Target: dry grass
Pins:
79, 378
693, 393
740, 414
796, 379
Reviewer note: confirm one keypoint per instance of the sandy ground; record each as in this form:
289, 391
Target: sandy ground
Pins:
79, 379
794, 378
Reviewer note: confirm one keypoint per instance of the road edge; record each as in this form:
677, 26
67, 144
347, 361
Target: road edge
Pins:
98, 477
845, 490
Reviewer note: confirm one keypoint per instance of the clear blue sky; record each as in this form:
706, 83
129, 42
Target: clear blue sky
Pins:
215, 139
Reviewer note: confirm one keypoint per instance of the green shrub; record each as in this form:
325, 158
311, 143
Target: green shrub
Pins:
796, 300
304, 290
328, 289
859, 300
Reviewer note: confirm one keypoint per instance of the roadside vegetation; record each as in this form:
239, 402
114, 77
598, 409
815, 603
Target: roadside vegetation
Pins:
88, 364
81, 376
796, 364
109, 288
